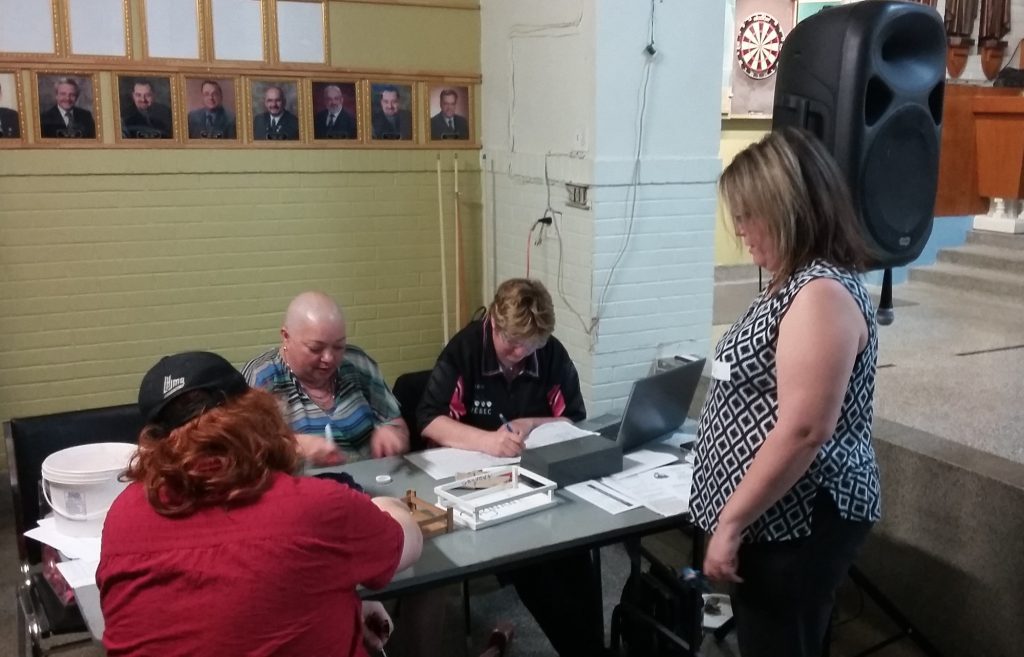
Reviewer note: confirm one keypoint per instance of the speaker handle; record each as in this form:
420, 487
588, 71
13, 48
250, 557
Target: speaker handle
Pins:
810, 114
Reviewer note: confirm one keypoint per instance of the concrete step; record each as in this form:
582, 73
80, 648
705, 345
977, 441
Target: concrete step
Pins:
971, 279
1001, 240
999, 259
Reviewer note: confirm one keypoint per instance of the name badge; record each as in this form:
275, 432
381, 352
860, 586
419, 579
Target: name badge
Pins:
721, 370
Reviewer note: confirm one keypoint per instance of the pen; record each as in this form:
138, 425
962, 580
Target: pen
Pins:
328, 434
508, 426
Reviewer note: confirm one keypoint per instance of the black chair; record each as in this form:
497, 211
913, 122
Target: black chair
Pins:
408, 390
41, 614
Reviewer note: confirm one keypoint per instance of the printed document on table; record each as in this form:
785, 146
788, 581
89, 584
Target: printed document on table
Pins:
554, 432
602, 497
642, 460
445, 462
665, 490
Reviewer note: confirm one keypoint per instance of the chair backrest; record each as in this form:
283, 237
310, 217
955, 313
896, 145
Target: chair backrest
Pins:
30, 440
408, 390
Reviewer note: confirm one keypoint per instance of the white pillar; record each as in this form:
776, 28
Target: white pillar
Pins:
566, 85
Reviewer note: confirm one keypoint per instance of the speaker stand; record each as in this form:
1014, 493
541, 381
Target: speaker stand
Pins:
885, 315
907, 629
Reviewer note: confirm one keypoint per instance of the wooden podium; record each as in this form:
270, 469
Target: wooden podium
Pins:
999, 132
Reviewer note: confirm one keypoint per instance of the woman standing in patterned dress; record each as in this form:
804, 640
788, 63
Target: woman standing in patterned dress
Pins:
785, 477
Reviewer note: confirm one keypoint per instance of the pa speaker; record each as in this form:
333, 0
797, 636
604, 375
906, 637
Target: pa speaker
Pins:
868, 79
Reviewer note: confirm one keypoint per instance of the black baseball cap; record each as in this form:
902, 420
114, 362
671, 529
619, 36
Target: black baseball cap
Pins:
175, 375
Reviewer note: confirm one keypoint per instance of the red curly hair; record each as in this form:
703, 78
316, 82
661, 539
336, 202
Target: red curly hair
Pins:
225, 454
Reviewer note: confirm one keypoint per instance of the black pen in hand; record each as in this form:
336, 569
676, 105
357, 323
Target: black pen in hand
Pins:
508, 425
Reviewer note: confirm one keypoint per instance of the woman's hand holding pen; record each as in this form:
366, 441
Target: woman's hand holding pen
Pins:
510, 439
317, 451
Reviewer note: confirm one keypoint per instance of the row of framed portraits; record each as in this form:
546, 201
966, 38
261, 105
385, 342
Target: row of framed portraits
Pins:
218, 109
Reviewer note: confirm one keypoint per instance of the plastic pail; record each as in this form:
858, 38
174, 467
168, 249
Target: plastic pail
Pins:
80, 483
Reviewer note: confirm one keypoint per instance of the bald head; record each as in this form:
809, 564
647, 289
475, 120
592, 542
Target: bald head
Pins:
313, 338
312, 308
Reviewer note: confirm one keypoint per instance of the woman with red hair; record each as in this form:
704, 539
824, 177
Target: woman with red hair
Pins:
216, 549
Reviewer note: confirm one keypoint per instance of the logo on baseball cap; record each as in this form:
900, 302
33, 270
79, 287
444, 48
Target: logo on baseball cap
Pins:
175, 375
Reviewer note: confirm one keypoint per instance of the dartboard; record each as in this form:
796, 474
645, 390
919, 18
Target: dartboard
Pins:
758, 44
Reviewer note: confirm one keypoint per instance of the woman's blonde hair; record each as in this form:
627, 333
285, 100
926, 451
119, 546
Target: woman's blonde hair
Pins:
523, 310
225, 454
789, 181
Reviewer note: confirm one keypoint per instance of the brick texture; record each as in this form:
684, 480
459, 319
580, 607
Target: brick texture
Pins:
111, 259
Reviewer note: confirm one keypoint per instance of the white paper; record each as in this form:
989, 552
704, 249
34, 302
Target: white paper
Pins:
665, 490
70, 546
602, 497
715, 621
554, 432
79, 572
643, 460
445, 462
680, 438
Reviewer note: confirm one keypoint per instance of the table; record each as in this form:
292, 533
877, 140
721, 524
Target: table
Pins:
571, 525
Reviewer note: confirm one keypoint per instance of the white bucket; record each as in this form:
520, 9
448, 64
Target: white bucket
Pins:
80, 483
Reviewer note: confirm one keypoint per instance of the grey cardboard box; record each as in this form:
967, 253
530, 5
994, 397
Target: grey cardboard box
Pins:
576, 460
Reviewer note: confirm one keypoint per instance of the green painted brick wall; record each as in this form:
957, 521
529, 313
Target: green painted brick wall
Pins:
111, 259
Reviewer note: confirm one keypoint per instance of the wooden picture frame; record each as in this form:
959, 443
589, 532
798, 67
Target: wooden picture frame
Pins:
31, 28
60, 92
273, 110
211, 109
169, 33
146, 109
392, 113
340, 98
233, 34
92, 31
12, 110
450, 111
303, 34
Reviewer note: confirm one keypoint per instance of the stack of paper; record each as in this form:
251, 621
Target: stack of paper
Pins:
445, 462
650, 479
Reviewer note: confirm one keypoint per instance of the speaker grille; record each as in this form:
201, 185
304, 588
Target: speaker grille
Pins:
899, 177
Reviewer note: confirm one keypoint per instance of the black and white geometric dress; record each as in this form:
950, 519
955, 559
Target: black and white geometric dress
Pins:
739, 413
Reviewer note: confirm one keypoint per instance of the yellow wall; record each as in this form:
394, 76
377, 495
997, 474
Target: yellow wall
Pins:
737, 134
411, 39
111, 258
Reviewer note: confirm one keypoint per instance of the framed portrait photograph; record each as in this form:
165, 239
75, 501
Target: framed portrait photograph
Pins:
391, 116
274, 105
334, 107
449, 111
11, 128
212, 107
145, 106
68, 106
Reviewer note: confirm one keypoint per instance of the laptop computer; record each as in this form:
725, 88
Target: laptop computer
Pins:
657, 405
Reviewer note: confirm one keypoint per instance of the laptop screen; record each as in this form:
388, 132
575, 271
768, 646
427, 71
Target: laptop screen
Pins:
657, 405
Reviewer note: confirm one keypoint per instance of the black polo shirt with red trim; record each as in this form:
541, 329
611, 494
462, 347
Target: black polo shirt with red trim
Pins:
468, 386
